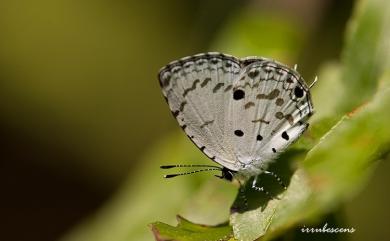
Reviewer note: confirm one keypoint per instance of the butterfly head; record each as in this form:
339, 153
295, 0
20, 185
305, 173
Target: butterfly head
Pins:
226, 174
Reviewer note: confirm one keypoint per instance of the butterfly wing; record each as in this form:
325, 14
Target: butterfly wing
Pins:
271, 114
198, 90
238, 112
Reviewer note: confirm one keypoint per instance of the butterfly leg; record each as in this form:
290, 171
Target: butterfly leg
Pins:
276, 177
243, 196
260, 189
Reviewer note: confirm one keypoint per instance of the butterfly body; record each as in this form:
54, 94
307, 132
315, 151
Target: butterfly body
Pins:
241, 113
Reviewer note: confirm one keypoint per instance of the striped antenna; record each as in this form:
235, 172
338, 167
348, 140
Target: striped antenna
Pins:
194, 165
188, 173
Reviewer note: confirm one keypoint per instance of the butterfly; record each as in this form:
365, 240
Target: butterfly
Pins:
240, 112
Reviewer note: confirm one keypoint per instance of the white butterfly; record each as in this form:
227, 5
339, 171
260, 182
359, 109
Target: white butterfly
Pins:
241, 113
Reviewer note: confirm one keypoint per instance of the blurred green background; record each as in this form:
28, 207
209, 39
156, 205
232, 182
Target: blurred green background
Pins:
82, 117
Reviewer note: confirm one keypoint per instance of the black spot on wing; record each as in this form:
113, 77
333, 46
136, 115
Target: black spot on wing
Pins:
205, 81
182, 105
249, 104
279, 101
298, 92
175, 113
238, 133
206, 123
217, 87
193, 87
285, 136
253, 73
176, 69
165, 78
290, 119
215, 61
272, 95
279, 115
188, 65
229, 87
259, 138
290, 79
238, 94
261, 120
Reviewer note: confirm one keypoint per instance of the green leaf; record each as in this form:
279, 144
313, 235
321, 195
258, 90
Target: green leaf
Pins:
366, 53
348, 151
188, 231
255, 223
328, 92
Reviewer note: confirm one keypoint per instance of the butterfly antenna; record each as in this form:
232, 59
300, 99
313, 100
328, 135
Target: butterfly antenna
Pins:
312, 84
193, 165
188, 173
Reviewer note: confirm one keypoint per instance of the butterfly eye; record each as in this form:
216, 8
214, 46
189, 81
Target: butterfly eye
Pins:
228, 176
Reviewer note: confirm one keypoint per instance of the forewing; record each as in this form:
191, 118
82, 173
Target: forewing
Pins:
198, 90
